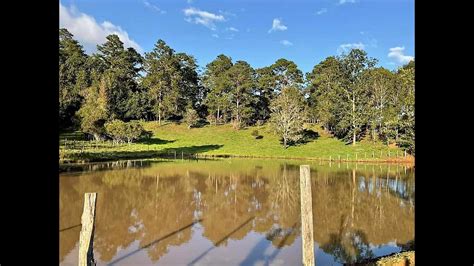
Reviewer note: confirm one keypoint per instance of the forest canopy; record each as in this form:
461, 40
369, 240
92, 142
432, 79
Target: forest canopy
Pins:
348, 94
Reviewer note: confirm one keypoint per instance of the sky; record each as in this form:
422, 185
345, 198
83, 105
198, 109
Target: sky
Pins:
256, 31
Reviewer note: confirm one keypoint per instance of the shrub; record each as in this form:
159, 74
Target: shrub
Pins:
116, 130
121, 131
255, 133
191, 117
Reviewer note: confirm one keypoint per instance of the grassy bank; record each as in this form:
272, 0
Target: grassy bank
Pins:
397, 259
170, 139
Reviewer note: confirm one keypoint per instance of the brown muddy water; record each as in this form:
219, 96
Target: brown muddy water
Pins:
236, 212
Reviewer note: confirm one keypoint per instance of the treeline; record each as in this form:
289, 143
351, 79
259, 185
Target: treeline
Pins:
347, 94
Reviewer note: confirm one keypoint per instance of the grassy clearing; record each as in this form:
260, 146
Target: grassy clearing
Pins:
223, 140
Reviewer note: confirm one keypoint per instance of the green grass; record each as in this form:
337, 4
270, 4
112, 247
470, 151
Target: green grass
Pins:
221, 140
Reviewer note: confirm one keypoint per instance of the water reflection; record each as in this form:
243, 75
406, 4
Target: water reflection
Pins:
238, 211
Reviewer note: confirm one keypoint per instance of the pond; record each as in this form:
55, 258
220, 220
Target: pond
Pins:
236, 211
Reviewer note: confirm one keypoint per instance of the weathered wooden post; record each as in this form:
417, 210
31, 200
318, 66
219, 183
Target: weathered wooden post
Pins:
182, 155
405, 153
86, 237
175, 154
306, 216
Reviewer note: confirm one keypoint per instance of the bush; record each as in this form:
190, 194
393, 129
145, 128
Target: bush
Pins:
121, 131
133, 130
116, 130
191, 117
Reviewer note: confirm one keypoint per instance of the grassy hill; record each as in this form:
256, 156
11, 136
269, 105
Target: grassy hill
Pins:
223, 140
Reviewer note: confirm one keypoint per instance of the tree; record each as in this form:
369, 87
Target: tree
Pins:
286, 74
270, 80
73, 77
120, 68
288, 114
406, 110
324, 83
93, 112
171, 80
121, 131
191, 117
133, 130
380, 86
241, 80
265, 91
352, 110
217, 85
116, 130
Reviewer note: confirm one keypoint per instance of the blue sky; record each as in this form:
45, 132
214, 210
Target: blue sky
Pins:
258, 31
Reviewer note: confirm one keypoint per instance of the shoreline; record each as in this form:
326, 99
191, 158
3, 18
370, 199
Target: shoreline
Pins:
394, 160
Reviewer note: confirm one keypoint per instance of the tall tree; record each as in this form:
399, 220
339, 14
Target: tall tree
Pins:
217, 85
120, 68
265, 91
352, 114
288, 114
271, 80
73, 77
324, 83
94, 112
241, 79
406, 110
380, 86
286, 74
171, 79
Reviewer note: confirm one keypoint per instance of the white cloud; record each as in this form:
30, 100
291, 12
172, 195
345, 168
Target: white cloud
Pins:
277, 25
341, 2
189, 1
90, 33
397, 54
346, 47
286, 43
321, 11
215, 35
152, 6
205, 18
232, 29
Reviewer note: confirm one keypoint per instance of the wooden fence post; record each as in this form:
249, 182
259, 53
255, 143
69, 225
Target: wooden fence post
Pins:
306, 216
86, 237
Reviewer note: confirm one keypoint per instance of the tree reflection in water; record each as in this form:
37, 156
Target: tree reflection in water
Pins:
155, 209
